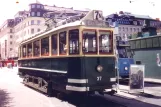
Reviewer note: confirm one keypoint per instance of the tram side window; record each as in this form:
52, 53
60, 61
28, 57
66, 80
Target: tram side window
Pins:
122, 52
54, 44
74, 41
149, 43
89, 41
155, 42
160, 41
29, 50
138, 44
105, 42
132, 44
45, 46
37, 48
24, 51
143, 43
62, 43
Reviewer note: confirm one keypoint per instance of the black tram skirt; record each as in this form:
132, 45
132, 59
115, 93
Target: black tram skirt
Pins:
73, 72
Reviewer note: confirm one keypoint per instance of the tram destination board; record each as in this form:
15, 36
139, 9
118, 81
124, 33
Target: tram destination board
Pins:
96, 23
136, 81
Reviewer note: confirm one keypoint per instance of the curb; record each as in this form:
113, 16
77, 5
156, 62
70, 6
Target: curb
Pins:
153, 82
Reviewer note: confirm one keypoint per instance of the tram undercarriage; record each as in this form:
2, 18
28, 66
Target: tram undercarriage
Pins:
46, 86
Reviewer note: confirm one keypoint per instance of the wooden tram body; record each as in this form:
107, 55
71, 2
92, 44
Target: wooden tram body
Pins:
62, 60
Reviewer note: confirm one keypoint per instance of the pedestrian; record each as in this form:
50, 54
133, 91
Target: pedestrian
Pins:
1, 65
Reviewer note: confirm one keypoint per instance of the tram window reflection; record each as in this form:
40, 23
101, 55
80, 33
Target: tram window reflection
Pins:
62, 43
124, 52
74, 41
24, 51
36, 48
45, 46
29, 50
89, 41
105, 42
54, 44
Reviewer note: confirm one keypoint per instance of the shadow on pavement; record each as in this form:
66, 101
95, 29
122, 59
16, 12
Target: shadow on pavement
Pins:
5, 100
130, 102
91, 101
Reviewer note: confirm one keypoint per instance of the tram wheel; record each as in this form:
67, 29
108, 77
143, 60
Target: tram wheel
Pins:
112, 92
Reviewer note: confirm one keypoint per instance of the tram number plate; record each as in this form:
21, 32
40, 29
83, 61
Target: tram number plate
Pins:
99, 78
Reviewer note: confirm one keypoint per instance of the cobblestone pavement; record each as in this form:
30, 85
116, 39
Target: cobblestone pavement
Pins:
14, 94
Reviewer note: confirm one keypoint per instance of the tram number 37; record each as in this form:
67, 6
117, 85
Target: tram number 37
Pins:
99, 78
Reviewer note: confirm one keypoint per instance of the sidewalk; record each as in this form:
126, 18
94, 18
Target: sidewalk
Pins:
154, 91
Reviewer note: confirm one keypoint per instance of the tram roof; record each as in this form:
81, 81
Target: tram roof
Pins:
139, 38
88, 20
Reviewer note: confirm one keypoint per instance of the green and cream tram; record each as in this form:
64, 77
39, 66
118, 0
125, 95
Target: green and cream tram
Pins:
73, 57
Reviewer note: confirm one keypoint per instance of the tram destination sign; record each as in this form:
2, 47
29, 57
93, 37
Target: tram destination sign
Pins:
136, 81
96, 23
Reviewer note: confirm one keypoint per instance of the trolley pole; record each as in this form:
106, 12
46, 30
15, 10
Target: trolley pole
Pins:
116, 30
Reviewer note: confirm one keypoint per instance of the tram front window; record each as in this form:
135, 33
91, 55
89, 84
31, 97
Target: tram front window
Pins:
89, 41
124, 52
105, 42
74, 41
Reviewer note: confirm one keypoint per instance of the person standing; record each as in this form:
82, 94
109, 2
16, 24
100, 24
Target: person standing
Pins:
1, 65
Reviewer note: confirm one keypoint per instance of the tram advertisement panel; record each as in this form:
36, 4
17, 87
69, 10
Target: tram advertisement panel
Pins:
136, 80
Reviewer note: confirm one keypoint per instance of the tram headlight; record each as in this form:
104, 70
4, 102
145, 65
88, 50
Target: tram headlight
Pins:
99, 68
126, 68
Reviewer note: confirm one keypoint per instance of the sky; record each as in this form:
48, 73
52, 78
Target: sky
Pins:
8, 8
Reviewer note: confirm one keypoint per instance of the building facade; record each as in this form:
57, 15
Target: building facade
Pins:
129, 24
26, 23
6, 38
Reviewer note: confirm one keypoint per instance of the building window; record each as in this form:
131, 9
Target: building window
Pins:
33, 6
38, 13
119, 28
38, 6
38, 30
10, 36
38, 22
10, 30
32, 13
45, 46
32, 31
123, 29
138, 29
131, 29
32, 22
134, 30
10, 49
10, 43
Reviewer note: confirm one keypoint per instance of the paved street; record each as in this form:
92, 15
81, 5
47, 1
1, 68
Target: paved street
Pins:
14, 94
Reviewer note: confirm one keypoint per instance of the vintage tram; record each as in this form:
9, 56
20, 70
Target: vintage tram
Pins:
76, 57
125, 58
